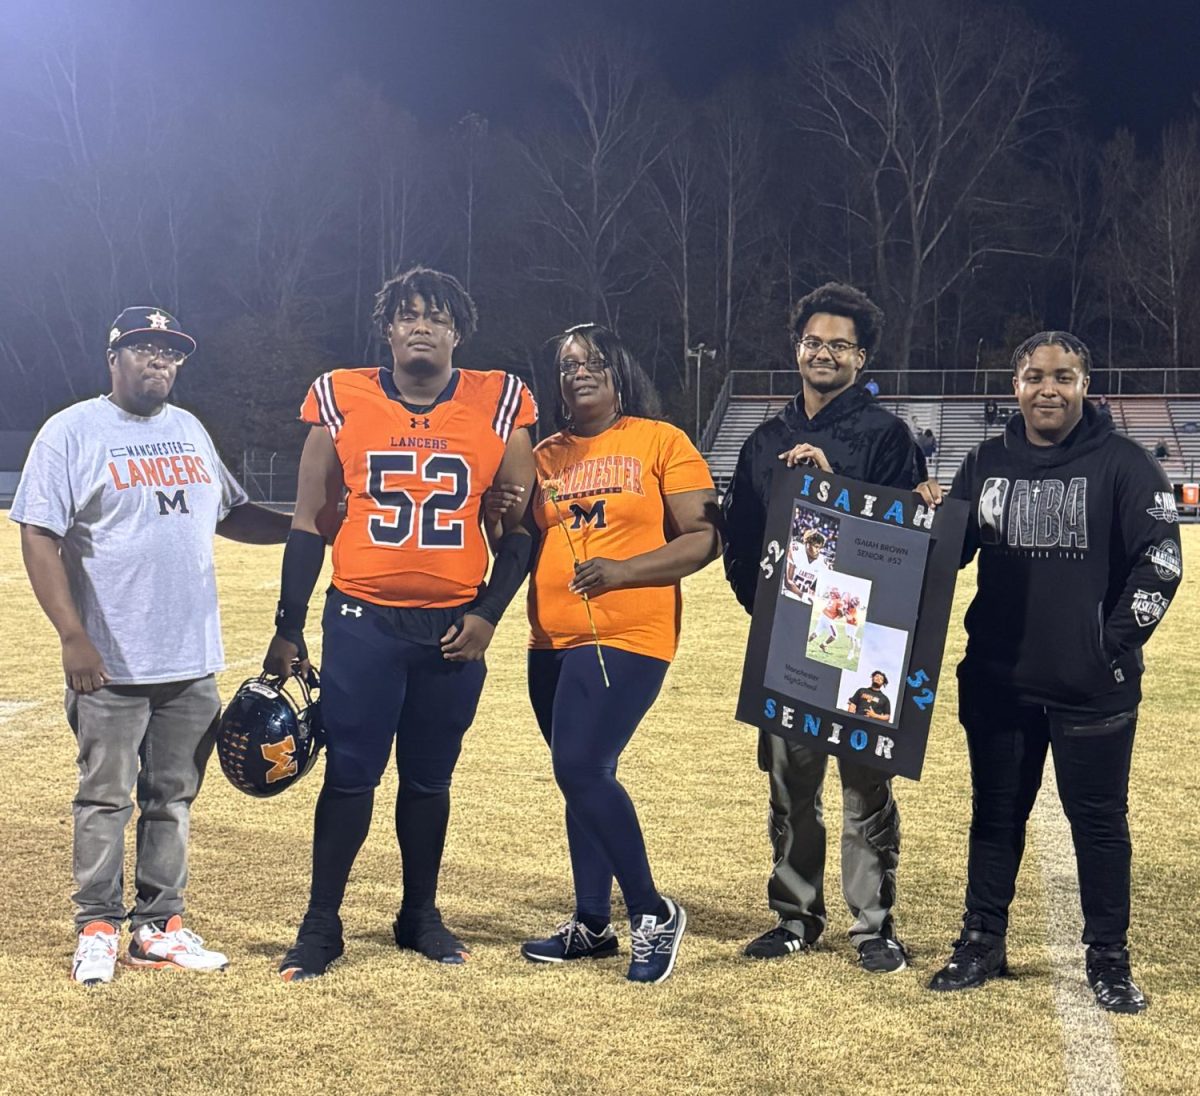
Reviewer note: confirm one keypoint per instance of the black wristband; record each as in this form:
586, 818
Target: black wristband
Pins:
513, 555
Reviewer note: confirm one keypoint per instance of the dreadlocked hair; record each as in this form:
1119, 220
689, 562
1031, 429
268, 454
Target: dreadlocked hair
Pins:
439, 290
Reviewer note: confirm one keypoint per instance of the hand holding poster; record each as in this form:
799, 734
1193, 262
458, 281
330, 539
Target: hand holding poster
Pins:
850, 618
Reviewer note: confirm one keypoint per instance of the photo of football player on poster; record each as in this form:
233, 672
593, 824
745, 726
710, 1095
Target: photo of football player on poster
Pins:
839, 613
812, 550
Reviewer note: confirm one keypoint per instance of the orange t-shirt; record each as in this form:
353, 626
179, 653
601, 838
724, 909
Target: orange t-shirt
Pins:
611, 498
411, 535
833, 608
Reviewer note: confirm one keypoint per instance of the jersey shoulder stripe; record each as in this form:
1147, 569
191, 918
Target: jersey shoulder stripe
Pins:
327, 406
513, 392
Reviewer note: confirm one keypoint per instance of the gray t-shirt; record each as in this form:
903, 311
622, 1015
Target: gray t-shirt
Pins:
135, 501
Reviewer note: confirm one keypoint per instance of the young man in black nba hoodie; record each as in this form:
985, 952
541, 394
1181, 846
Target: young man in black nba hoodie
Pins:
1079, 558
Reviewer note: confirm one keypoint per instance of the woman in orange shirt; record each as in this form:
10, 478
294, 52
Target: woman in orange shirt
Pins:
629, 496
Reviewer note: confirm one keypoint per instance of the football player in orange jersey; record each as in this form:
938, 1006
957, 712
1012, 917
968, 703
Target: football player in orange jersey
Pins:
834, 610
635, 501
408, 616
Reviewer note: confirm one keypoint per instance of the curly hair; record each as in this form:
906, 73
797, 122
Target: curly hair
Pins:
635, 391
839, 299
438, 290
1064, 339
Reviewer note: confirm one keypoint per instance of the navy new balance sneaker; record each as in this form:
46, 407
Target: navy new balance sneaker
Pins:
572, 940
655, 943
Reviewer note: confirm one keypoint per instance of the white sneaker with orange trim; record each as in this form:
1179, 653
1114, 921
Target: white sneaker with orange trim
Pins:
172, 947
96, 954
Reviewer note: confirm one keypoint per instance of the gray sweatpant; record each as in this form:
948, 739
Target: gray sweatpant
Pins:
796, 825
157, 737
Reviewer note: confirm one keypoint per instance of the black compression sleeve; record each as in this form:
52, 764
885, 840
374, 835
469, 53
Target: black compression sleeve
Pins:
303, 556
513, 554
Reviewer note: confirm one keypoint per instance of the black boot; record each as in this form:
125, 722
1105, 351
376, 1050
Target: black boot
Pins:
977, 957
1109, 976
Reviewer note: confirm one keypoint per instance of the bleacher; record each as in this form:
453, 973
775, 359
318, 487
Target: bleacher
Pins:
958, 424
742, 415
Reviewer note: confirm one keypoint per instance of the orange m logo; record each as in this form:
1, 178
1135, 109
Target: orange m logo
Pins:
281, 756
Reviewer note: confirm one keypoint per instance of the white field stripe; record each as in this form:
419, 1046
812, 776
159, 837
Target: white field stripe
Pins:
9, 710
1092, 1062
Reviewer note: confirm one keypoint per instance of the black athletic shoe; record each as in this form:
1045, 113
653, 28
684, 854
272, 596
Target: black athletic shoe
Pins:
572, 940
775, 944
977, 957
422, 931
318, 943
1112, 982
882, 955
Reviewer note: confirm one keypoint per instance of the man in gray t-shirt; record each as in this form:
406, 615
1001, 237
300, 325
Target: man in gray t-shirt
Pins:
117, 503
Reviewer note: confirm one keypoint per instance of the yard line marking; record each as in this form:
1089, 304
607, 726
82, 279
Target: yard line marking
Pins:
1090, 1054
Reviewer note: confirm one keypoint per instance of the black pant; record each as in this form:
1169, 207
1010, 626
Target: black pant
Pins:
1008, 742
586, 725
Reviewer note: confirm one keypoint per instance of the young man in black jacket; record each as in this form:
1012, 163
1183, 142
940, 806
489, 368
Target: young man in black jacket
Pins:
1078, 561
838, 426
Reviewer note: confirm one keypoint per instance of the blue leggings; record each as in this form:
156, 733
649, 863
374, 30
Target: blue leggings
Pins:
587, 726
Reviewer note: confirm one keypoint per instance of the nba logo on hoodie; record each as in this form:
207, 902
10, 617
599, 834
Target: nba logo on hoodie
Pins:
991, 510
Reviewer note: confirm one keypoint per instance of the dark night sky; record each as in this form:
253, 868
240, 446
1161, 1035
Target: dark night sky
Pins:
1139, 62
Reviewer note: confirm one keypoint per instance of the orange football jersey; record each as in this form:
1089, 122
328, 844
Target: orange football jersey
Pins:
611, 491
411, 535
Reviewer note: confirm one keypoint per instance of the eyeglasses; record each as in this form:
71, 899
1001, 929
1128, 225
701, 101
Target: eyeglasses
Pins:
568, 367
143, 352
812, 345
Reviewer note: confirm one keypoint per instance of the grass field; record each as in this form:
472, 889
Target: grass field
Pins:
389, 1022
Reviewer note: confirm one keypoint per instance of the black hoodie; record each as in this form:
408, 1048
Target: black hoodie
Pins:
861, 440
1078, 560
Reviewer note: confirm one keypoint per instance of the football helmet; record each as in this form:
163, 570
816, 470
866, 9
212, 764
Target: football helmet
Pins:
266, 741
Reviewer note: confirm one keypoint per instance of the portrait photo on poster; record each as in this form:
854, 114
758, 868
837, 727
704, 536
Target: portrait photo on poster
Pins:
850, 618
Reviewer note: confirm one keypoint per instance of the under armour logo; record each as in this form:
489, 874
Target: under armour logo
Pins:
414, 422
352, 610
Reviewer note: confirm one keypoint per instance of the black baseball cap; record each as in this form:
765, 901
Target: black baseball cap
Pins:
143, 320
881, 674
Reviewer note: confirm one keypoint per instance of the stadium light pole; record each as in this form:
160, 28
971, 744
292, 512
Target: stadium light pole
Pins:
699, 352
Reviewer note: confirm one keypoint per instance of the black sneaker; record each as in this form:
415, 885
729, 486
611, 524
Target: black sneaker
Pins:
572, 940
318, 943
422, 931
882, 955
655, 944
977, 956
775, 944
1112, 982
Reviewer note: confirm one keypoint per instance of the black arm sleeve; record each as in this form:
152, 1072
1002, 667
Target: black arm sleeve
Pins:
303, 555
745, 513
513, 554
1145, 512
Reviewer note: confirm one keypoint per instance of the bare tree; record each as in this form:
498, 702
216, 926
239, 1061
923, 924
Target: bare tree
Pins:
922, 104
678, 202
736, 135
1159, 239
587, 173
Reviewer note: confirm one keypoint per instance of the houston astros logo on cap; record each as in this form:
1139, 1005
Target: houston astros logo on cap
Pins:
143, 320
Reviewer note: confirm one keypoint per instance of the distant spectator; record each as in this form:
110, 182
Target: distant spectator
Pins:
1162, 451
872, 386
1190, 427
1104, 408
928, 443
991, 411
